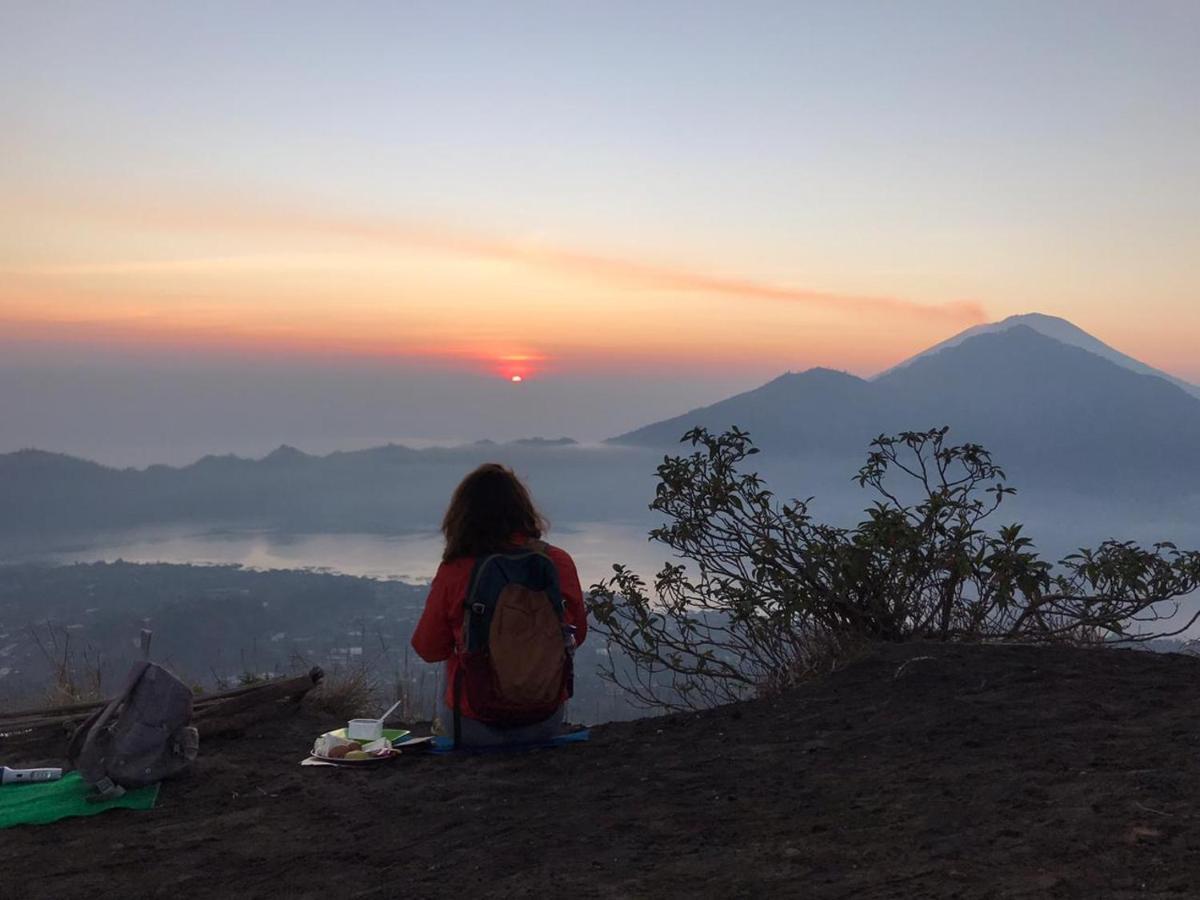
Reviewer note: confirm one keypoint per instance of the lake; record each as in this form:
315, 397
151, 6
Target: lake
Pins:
595, 546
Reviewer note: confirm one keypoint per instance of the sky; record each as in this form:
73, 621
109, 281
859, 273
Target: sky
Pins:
226, 225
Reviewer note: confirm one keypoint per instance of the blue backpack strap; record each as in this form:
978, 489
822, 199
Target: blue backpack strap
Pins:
471, 629
476, 614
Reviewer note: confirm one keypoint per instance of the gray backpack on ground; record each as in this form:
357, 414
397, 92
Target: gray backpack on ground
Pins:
139, 737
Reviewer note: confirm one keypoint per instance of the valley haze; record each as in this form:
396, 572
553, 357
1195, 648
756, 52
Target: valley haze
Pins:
1098, 444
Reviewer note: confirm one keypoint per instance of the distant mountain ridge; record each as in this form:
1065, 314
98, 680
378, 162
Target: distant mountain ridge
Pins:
388, 489
1050, 410
285, 454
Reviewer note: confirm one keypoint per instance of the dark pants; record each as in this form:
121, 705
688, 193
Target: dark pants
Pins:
481, 734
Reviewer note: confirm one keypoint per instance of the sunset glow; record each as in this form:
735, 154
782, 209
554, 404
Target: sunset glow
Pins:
310, 284
570, 223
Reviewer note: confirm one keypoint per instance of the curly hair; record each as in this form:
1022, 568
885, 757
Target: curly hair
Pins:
489, 508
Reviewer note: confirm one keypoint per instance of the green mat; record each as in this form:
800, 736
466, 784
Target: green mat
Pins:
49, 801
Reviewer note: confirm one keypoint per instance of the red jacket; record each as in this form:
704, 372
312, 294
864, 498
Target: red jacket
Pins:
440, 628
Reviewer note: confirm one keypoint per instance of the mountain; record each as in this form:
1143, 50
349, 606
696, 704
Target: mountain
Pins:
1050, 412
817, 410
390, 489
286, 455
1049, 406
543, 442
1061, 330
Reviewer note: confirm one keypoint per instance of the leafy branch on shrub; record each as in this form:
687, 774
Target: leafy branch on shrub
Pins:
765, 594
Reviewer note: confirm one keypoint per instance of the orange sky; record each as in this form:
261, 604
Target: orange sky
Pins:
311, 283
231, 274
674, 188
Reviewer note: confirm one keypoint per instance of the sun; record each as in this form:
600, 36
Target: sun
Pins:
517, 368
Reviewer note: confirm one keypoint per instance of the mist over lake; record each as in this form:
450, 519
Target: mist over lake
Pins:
413, 558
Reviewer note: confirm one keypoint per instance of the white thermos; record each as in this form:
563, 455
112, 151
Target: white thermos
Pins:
26, 776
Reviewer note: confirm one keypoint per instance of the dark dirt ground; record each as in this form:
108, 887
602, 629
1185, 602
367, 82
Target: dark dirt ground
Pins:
927, 771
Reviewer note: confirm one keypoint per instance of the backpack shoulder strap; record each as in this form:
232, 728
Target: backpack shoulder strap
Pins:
476, 571
467, 602
538, 546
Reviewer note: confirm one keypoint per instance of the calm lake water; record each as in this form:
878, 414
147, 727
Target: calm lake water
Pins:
595, 547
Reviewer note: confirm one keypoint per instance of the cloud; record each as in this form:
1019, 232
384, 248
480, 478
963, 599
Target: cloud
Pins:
237, 215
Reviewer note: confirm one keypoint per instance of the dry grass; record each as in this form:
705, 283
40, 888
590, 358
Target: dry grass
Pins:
347, 693
77, 672
364, 689
819, 655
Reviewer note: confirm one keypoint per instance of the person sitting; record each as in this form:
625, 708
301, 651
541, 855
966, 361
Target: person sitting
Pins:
505, 612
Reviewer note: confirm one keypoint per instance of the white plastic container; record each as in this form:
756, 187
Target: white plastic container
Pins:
364, 729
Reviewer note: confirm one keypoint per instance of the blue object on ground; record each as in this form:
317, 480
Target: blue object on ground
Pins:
444, 744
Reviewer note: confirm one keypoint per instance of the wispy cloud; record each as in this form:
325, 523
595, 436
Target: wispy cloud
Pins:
249, 262
616, 270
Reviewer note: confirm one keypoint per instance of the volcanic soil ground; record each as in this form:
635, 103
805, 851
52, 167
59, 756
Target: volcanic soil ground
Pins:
927, 771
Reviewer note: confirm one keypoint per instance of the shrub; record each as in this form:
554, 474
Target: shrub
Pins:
766, 595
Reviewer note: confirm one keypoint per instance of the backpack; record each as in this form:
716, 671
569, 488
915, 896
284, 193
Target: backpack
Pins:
515, 660
139, 737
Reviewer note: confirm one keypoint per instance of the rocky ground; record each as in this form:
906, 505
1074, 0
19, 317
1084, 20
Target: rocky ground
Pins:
927, 771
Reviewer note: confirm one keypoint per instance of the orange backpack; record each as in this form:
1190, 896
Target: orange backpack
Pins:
516, 656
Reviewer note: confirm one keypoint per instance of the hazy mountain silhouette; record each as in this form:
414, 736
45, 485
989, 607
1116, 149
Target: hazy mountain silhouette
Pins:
1048, 410
388, 489
818, 410
1061, 330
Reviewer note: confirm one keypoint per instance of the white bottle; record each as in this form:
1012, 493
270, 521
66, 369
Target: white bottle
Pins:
25, 776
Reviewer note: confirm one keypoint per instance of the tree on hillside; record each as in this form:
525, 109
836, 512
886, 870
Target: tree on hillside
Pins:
765, 595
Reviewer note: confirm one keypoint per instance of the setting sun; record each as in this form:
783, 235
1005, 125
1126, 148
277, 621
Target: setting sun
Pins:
516, 378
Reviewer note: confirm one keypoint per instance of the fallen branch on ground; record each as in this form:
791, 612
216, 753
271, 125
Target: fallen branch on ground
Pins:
213, 714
